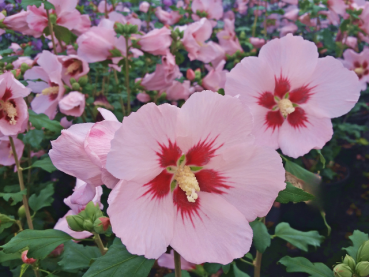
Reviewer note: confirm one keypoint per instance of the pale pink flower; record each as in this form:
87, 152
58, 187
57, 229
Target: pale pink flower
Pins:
65, 12
178, 91
230, 182
81, 150
156, 42
257, 42
73, 67
27, 260
27, 60
216, 77
351, 42
167, 260
50, 88
13, 108
292, 2
292, 13
144, 7
17, 50
83, 26
65, 123
143, 97
293, 94
242, 6
213, 8
228, 39
288, 28
102, 7
6, 152
167, 18
359, 63
73, 104
18, 22
164, 74
62, 225
83, 193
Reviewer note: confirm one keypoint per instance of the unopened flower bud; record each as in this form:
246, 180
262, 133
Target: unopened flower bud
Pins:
57, 251
53, 18
119, 28
342, 270
133, 29
9, 66
67, 89
83, 81
4, 12
363, 252
115, 53
2, 64
93, 212
21, 212
75, 222
24, 67
27, 260
102, 225
17, 73
362, 269
197, 74
72, 80
348, 260
88, 225
190, 74
76, 87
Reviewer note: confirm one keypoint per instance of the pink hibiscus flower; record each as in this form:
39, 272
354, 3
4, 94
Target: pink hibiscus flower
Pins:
167, 260
359, 63
6, 151
13, 108
228, 39
73, 104
156, 42
191, 178
73, 67
293, 94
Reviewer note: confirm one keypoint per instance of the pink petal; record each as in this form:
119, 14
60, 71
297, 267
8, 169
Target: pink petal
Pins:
6, 152
167, 260
107, 115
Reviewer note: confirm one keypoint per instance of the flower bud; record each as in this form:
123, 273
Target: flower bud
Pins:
342, 270
92, 212
119, 28
17, 73
362, 269
197, 74
348, 260
75, 222
57, 251
88, 225
27, 260
133, 29
67, 88
102, 225
363, 252
83, 81
53, 18
21, 212
76, 87
9, 66
190, 75
115, 53
4, 12
24, 67
72, 80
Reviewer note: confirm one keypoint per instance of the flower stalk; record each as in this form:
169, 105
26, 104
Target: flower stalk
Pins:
99, 243
177, 264
257, 262
51, 30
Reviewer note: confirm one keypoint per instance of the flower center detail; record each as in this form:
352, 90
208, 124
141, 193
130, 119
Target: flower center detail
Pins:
359, 70
187, 182
286, 107
73, 67
50, 90
10, 110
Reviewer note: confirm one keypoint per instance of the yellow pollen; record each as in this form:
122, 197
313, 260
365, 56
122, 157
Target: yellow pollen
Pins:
359, 70
73, 67
10, 110
187, 182
50, 90
286, 107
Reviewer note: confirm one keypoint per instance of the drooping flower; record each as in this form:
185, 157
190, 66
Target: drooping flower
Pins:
216, 77
293, 94
6, 151
73, 67
167, 260
73, 104
178, 91
228, 39
81, 150
359, 63
167, 17
13, 108
212, 8
156, 42
191, 178
18, 22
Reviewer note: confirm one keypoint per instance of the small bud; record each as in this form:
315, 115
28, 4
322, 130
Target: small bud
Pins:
133, 29
190, 74
362, 269
72, 80
83, 81
242, 35
119, 28
17, 73
342, 270
67, 89
115, 53
348, 260
53, 18
363, 252
75, 223
92, 212
102, 225
9, 66
197, 74
88, 225
24, 67
57, 251
21, 212
27, 260
76, 87
144, 7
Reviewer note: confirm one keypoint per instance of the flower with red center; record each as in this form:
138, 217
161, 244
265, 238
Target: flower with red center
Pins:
293, 94
13, 108
191, 178
359, 63
73, 67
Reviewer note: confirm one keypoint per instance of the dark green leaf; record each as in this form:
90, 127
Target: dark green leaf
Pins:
24, 268
261, 237
77, 256
39, 242
36, 3
40, 121
184, 274
46, 164
15, 196
238, 273
212, 268
357, 238
298, 238
321, 157
9, 59
226, 268
301, 173
44, 199
293, 194
9, 257
300, 264
119, 262
63, 34
34, 138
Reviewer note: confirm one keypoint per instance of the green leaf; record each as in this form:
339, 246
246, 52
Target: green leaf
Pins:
77, 256
41, 120
301, 173
212, 268
24, 268
184, 274
37, 3
226, 268
261, 237
298, 238
238, 273
293, 194
15, 196
34, 138
321, 157
64, 34
300, 264
9, 257
5, 226
44, 199
357, 238
119, 262
39, 242
46, 164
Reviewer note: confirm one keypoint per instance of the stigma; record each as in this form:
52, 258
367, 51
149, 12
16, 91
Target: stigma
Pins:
286, 107
9, 109
73, 67
187, 182
50, 90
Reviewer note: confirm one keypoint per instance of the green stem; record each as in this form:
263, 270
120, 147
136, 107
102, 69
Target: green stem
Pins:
254, 25
51, 32
21, 184
258, 260
120, 98
127, 78
247, 262
99, 243
326, 223
177, 264
19, 225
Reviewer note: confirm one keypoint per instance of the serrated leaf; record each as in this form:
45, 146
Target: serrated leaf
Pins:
119, 262
15, 196
298, 238
300, 264
44, 199
41, 120
238, 273
34, 138
9, 257
293, 194
46, 164
39, 242
357, 238
77, 256
261, 238
212, 268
